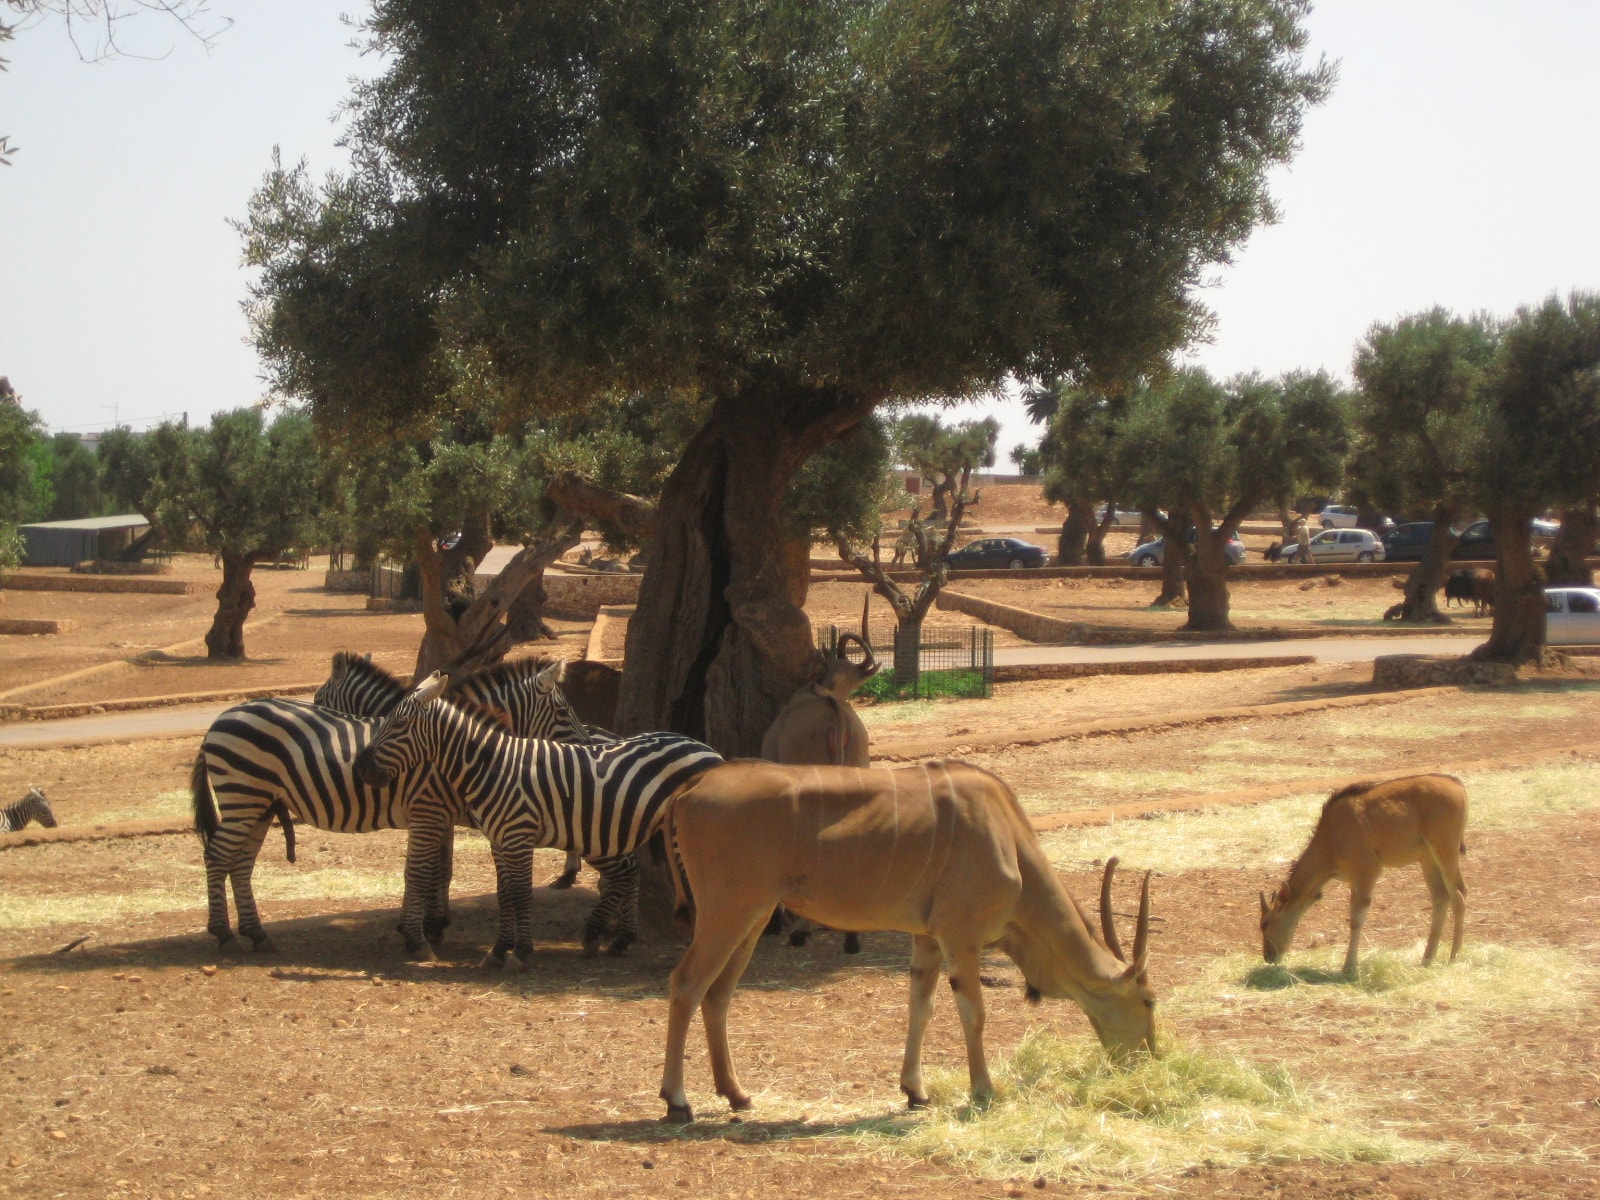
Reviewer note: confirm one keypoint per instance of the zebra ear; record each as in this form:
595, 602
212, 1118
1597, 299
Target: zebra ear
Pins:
550, 676
341, 663
430, 687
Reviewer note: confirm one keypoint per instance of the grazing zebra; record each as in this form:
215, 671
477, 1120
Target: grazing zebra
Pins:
603, 801
527, 690
32, 807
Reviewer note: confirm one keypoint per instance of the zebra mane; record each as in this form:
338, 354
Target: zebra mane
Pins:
362, 666
509, 671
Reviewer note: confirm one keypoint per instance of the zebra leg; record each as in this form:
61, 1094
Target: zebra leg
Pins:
513, 865
221, 849
244, 865
618, 907
569, 873
436, 917
428, 825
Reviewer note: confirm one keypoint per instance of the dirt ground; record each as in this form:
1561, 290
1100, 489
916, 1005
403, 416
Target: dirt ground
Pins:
142, 1063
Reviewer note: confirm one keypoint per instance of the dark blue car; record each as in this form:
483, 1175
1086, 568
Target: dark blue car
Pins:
991, 554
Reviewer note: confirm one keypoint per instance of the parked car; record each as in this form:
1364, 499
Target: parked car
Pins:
1572, 616
1408, 542
989, 554
1119, 516
1339, 516
1151, 553
1339, 545
1543, 527
1477, 543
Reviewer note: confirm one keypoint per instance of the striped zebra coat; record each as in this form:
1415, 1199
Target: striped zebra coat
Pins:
602, 801
32, 807
529, 695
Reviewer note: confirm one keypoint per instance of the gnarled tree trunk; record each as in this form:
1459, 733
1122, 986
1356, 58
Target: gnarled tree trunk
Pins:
1519, 617
1206, 573
716, 646
1421, 603
1567, 565
1074, 537
1094, 551
235, 598
1172, 564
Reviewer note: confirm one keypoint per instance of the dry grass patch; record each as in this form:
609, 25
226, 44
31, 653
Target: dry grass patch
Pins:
1063, 1110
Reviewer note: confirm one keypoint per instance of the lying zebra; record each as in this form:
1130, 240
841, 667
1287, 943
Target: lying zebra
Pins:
603, 801
32, 807
281, 757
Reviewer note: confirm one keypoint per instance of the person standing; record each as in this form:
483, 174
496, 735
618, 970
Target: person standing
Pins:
1302, 537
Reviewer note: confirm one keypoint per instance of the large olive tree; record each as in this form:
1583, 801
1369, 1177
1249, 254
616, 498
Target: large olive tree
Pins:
800, 211
1421, 414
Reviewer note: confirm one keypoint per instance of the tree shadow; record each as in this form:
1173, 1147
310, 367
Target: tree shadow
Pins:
357, 944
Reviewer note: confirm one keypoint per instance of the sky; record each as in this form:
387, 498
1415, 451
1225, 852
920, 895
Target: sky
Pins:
1455, 163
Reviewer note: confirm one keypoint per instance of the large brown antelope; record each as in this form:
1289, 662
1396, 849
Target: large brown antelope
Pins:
1364, 828
942, 851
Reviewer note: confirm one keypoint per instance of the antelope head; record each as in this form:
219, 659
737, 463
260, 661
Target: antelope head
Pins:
1124, 1013
839, 675
1278, 921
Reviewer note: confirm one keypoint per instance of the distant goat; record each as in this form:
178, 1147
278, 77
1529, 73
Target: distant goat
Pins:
1364, 828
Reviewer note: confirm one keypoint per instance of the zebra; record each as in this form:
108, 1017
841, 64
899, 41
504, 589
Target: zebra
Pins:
32, 807
527, 690
603, 801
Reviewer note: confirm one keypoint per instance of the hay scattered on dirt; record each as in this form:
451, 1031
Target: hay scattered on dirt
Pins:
1394, 997
1063, 1110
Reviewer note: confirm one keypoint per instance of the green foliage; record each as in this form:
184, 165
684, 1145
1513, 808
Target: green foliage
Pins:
24, 461
961, 683
1421, 412
1028, 459
11, 550
934, 448
817, 206
74, 479
846, 487
1189, 444
1079, 449
1543, 443
239, 486
127, 472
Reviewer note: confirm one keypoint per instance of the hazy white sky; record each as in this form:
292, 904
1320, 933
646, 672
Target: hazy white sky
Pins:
1456, 163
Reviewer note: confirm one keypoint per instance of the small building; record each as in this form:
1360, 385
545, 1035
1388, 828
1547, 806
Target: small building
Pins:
62, 543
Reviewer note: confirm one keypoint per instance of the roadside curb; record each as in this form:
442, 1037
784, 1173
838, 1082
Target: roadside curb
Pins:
55, 712
1018, 672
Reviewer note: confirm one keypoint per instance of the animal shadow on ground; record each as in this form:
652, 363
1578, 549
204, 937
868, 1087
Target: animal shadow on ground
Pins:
1273, 977
741, 1129
363, 943
160, 658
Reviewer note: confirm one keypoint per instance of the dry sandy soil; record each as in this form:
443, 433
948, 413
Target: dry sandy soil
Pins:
142, 1063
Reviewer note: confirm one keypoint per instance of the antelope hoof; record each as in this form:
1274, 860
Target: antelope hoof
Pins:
852, 943
678, 1114
914, 1100
564, 880
740, 1103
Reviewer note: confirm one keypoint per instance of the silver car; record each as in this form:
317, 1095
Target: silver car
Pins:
1339, 545
1572, 616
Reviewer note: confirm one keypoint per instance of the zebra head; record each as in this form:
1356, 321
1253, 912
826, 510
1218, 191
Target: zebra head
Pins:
358, 687
40, 808
400, 741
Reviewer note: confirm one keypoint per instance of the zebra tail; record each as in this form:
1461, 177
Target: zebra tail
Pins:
205, 808
278, 810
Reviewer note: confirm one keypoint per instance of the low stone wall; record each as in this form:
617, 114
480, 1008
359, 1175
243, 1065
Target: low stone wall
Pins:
575, 597
1011, 673
100, 566
26, 628
1031, 625
1428, 670
26, 581
358, 580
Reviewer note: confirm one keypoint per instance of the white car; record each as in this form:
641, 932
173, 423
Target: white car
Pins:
1339, 545
1572, 616
1339, 516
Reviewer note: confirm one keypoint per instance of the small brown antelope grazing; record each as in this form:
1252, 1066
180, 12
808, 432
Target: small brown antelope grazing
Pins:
1364, 828
942, 851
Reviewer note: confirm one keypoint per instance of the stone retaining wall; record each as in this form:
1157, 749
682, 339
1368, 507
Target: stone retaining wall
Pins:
358, 580
576, 597
1036, 627
25, 581
26, 628
100, 566
1427, 670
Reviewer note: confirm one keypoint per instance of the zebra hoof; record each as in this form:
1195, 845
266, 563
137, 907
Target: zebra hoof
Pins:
591, 947
264, 944
852, 943
678, 1114
799, 937
495, 959
564, 880
619, 946
422, 953
520, 960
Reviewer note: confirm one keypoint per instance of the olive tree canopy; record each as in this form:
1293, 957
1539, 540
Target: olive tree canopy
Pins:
800, 211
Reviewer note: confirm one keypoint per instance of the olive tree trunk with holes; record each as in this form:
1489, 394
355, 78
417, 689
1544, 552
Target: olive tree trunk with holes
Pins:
1518, 634
1421, 603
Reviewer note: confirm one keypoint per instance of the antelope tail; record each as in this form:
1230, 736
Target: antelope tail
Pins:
683, 910
205, 808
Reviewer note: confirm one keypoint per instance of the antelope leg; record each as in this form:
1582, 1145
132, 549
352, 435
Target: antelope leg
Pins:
926, 958
714, 1012
962, 960
1439, 889
1360, 901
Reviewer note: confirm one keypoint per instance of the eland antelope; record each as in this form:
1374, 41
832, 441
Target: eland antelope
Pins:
942, 851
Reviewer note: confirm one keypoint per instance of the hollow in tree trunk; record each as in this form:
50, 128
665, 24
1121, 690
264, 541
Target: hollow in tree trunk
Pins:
1519, 616
1568, 565
1206, 572
235, 598
1421, 603
716, 646
1075, 532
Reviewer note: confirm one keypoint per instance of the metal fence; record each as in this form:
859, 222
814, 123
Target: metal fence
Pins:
394, 581
933, 660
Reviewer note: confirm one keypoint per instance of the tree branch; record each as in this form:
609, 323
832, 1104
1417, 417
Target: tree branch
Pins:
633, 515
